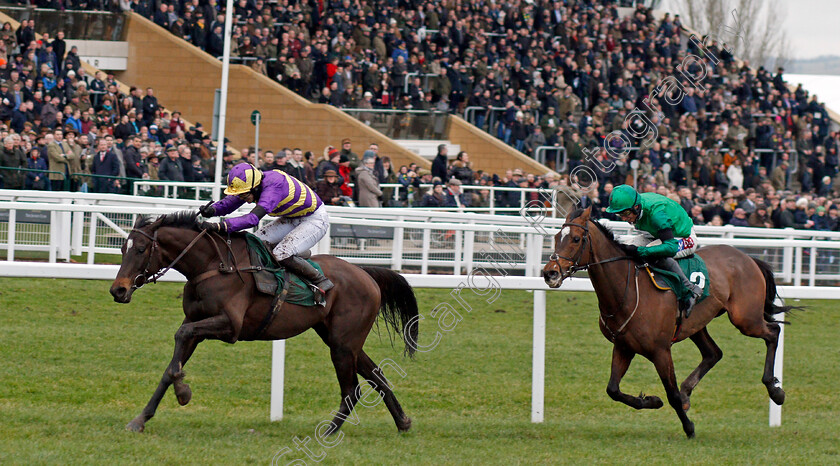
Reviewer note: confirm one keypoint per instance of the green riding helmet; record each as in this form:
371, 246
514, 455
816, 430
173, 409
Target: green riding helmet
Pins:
622, 198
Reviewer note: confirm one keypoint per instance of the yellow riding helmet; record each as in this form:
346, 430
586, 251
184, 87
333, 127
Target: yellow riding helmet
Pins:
243, 178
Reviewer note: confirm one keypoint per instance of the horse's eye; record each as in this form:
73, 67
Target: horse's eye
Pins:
576, 239
141, 249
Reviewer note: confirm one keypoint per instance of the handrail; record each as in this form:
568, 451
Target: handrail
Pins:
64, 179
32, 170
392, 110
560, 160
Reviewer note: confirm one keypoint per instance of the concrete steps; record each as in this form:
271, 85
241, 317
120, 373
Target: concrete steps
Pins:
428, 148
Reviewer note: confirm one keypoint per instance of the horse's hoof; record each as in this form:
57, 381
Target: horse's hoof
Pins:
689, 430
136, 425
652, 402
183, 393
404, 425
777, 395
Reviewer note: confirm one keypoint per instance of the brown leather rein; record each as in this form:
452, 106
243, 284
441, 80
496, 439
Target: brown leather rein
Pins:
146, 277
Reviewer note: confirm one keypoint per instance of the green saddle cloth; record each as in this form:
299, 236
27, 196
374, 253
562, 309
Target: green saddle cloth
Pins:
694, 268
299, 291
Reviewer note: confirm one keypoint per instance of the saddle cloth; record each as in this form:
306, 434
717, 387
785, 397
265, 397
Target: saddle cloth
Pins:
694, 268
271, 277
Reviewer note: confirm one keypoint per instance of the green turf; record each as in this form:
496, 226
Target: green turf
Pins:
76, 367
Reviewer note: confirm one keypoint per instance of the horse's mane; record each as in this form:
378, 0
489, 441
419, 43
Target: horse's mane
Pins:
181, 219
603, 228
187, 219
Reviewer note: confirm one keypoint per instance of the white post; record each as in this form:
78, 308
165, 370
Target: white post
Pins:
538, 362
54, 238
91, 238
787, 260
220, 143
424, 257
776, 410
65, 232
812, 269
456, 267
469, 248
278, 363
10, 255
797, 266
397, 246
78, 231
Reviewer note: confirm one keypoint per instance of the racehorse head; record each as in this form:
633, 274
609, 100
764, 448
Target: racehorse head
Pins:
570, 248
140, 250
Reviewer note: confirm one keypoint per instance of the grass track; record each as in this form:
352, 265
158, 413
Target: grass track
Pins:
75, 367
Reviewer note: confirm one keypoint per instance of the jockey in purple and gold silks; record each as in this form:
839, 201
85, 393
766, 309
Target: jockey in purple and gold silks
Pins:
282, 196
302, 218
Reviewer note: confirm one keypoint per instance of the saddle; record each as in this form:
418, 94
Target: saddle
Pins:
272, 279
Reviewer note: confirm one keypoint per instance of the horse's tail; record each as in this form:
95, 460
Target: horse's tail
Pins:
770, 307
398, 305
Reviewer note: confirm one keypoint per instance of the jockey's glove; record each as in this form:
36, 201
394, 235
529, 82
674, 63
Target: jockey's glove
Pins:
214, 227
632, 250
207, 210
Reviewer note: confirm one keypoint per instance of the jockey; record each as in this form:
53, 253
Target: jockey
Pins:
302, 221
668, 223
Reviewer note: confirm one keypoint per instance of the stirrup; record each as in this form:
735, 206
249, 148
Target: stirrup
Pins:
690, 302
319, 295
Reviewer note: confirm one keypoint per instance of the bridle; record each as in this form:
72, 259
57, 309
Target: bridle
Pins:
145, 277
576, 266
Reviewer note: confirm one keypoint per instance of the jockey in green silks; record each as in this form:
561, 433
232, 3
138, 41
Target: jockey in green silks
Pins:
670, 226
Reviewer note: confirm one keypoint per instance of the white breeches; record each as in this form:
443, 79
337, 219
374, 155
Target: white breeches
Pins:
687, 246
292, 236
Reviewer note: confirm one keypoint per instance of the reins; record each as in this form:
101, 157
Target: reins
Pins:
576, 267
146, 277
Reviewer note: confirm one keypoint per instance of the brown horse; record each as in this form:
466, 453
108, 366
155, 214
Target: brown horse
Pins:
222, 303
640, 319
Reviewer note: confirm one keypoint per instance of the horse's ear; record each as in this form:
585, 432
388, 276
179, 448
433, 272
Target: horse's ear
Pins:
586, 213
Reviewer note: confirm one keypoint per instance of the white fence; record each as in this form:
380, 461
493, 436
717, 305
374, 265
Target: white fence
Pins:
198, 191
415, 240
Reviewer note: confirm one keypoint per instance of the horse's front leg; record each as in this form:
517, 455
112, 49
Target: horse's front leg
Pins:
665, 368
186, 339
621, 358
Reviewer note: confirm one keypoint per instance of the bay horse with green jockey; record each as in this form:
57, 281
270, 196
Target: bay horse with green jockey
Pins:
640, 319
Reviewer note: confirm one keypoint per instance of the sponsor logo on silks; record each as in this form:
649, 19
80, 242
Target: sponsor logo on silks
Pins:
686, 243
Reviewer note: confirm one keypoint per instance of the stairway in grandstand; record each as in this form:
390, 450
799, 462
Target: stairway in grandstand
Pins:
428, 149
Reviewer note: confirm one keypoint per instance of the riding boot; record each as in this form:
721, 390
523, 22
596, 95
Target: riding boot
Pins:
309, 273
669, 264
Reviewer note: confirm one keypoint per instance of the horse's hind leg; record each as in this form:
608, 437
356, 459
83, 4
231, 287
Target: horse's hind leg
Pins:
186, 339
665, 368
770, 381
754, 325
621, 359
344, 361
376, 378
711, 355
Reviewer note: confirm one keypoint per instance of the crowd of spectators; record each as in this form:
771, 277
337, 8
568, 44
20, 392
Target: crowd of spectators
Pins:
564, 74
556, 73
63, 129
